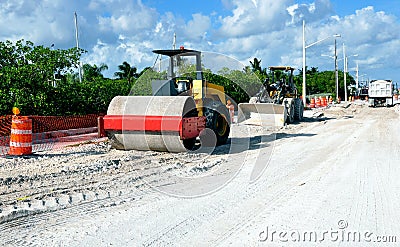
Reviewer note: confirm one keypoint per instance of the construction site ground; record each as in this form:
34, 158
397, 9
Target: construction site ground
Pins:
331, 180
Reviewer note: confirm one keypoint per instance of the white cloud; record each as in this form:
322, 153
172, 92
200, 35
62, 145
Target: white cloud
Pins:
249, 18
196, 28
127, 17
370, 35
39, 22
115, 54
284, 46
310, 12
158, 27
368, 26
114, 31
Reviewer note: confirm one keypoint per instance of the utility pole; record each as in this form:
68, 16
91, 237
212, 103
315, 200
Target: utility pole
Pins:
174, 59
159, 64
344, 73
304, 64
336, 74
77, 45
357, 76
174, 42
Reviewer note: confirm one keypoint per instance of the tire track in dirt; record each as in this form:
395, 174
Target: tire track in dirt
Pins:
324, 168
252, 204
372, 208
92, 173
313, 174
44, 220
140, 176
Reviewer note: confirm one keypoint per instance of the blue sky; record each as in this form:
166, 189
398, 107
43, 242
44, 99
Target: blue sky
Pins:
113, 31
187, 8
343, 7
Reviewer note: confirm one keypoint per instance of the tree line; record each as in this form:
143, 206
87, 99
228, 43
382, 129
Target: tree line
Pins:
44, 81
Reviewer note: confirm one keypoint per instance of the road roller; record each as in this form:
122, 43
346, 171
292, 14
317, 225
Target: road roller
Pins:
180, 111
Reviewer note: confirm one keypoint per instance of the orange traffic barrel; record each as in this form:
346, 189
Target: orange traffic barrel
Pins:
330, 100
324, 102
21, 136
318, 102
312, 103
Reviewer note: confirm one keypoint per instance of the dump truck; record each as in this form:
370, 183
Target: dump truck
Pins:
277, 102
380, 93
180, 110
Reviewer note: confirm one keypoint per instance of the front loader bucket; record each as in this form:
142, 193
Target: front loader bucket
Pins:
262, 114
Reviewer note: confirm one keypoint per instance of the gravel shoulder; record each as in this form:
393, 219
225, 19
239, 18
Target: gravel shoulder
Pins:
339, 166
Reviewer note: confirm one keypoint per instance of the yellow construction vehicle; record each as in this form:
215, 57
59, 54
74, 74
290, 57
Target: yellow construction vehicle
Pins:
277, 102
179, 110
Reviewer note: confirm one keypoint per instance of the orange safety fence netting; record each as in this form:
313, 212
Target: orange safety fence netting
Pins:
49, 130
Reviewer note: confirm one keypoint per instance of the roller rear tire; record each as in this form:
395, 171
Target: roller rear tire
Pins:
218, 120
298, 109
290, 112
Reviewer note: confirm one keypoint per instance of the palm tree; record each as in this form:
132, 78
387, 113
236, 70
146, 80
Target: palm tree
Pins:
258, 70
256, 66
91, 72
126, 72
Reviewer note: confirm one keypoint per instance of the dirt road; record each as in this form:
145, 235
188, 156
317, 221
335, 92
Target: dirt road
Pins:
331, 181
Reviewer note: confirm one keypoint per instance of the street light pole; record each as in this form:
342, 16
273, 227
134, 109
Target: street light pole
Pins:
357, 76
346, 69
344, 73
77, 45
336, 74
304, 58
304, 65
